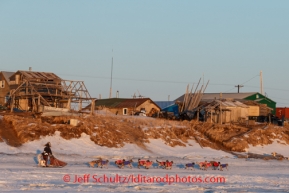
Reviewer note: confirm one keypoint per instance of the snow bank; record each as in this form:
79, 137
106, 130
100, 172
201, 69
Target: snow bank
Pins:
280, 148
84, 146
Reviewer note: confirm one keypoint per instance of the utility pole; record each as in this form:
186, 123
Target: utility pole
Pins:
110, 90
239, 86
261, 83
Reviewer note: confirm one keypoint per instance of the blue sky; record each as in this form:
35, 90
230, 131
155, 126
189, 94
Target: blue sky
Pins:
158, 46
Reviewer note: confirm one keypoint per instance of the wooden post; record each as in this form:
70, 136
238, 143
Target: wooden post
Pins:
221, 113
211, 115
80, 101
38, 100
34, 109
80, 105
92, 106
69, 103
12, 103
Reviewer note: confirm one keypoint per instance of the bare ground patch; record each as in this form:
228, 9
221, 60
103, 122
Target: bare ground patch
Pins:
116, 131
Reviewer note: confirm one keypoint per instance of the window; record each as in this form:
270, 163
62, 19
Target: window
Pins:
124, 111
2, 84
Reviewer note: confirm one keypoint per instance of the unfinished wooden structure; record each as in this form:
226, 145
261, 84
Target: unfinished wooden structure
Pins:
31, 91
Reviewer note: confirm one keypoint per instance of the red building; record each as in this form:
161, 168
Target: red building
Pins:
282, 111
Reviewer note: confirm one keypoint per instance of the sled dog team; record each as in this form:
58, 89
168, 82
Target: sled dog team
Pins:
213, 164
100, 163
160, 164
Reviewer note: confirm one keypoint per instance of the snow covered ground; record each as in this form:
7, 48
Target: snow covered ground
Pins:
19, 171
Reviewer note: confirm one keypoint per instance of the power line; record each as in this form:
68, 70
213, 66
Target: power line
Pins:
280, 98
242, 83
269, 88
284, 103
169, 81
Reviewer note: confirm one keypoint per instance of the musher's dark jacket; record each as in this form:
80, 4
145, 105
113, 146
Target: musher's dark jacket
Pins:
47, 151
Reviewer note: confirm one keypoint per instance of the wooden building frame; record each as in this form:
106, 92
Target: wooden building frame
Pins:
38, 89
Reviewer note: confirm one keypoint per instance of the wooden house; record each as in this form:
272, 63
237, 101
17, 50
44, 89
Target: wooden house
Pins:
4, 86
124, 106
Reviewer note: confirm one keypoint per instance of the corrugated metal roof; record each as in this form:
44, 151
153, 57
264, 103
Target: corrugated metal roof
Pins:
40, 75
122, 103
7, 75
132, 102
210, 96
113, 102
238, 103
226, 103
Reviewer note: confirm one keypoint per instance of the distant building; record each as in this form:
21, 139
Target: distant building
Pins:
169, 106
4, 86
124, 106
164, 104
250, 96
282, 112
232, 111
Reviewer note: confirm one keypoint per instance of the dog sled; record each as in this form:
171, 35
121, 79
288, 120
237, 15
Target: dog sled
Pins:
54, 162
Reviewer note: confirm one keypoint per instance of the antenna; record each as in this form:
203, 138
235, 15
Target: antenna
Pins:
110, 90
139, 95
261, 82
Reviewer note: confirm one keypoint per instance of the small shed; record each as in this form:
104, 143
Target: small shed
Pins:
257, 109
225, 111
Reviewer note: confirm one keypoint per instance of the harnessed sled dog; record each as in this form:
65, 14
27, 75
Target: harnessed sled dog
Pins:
145, 163
165, 164
224, 166
204, 165
190, 165
126, 163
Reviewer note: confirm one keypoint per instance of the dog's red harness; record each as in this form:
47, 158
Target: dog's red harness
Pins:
142, 162
148, 164
215, 164
118, 162
169, 164
162, 163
